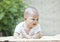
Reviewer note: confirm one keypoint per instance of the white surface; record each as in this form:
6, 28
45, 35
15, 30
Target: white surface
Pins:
44, 38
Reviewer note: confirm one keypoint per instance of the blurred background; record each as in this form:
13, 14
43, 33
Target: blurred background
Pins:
11, 13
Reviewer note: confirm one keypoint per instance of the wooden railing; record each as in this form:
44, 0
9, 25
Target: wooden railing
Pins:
43, 39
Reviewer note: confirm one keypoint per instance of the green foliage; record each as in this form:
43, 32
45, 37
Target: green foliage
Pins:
10, 11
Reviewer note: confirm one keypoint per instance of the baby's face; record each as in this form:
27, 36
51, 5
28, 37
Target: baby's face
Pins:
32, 20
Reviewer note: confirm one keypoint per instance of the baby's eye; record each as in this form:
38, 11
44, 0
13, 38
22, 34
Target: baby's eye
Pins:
37, 19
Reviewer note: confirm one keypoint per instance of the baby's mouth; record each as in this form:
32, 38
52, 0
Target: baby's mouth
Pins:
34, 24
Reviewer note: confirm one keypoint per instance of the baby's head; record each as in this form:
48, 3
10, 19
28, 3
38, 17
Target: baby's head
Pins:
31, 16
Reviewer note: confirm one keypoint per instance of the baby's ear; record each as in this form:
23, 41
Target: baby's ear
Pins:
25, 18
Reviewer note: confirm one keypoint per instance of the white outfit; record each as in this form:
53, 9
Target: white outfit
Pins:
19, 28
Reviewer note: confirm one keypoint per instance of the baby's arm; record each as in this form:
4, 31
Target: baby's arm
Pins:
35, 36
17, 35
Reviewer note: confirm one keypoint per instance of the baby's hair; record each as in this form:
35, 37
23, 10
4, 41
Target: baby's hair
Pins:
30, 10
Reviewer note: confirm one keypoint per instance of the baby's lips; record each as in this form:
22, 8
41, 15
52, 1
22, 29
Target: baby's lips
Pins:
34, 24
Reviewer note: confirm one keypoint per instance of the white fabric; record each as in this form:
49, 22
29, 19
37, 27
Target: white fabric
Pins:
19, 28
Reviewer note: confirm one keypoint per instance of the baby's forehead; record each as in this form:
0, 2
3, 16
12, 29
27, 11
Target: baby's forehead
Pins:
34, 16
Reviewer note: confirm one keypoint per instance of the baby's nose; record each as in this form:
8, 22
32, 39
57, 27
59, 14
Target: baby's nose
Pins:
35, 21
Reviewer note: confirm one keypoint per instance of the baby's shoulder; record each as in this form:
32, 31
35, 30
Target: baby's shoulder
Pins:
20, 24
19, 27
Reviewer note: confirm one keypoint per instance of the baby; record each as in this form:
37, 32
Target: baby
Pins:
29, 28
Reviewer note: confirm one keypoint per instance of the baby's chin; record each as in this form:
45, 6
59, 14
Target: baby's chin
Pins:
34, 25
